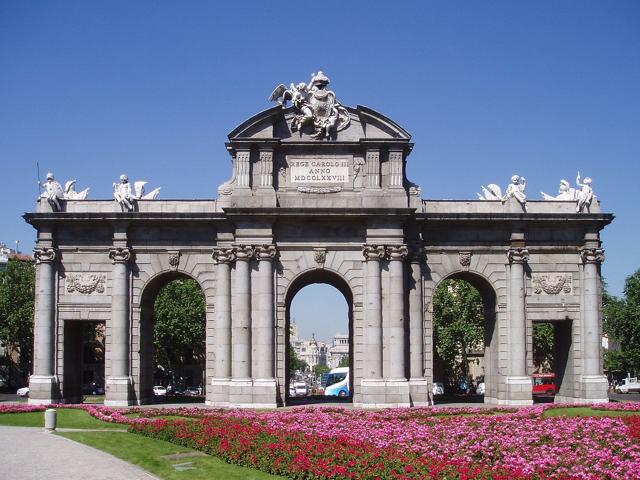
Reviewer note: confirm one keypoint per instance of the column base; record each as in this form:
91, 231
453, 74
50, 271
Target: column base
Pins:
592, 389
43, 390
264, 393
383, 393
218, 392
419, 392
118, 392
518, 392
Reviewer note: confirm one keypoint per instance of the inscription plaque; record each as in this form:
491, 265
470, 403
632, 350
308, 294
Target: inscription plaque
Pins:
315, 171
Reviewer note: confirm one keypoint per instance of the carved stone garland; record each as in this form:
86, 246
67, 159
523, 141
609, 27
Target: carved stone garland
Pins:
85, 283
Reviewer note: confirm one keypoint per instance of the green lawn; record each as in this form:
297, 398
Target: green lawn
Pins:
147, 453
584, 412
67, 418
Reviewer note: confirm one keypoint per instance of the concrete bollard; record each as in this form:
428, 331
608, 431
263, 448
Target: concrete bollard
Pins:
50, 420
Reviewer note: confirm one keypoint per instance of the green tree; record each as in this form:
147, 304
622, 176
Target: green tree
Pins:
319, 369
622, 325
344, 362
17, 293
458, 326
296, 363
179, 324
543, 346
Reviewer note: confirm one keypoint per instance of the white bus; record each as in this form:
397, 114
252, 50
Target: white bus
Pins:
338, 383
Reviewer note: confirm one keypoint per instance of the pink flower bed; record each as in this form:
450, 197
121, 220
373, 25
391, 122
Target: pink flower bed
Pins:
520, 441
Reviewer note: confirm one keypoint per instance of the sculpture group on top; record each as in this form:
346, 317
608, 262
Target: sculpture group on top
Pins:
127, 198
315, 106
53, 192
566, 192
123, 194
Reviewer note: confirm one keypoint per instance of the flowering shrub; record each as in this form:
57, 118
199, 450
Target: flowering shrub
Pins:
319, 443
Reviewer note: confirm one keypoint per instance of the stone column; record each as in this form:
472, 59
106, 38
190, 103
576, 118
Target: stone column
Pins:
266, 168
394, 333
240, 392
43, 384
117, 392
264, 384
373, 254
418, 383
593, 382
518, 383
218, 393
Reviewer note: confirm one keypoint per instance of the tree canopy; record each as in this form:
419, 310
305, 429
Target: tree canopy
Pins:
179, 323
622, 325
17, 293
458, 326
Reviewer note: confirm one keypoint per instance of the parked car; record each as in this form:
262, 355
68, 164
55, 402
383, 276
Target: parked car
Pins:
23, 392
192, 391
628, 385
480, 389
438, 388
159, 391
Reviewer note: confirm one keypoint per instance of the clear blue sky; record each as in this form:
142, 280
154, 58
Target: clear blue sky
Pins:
488, 89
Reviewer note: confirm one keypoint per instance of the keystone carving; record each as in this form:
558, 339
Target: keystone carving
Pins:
174, 259
45, 255
552, 283
465, 259
592, 255
120, 254
320, 256
85, 283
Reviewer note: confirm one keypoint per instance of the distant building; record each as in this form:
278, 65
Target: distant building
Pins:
338, 350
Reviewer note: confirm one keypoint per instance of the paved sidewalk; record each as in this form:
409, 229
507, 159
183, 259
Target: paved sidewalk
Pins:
32, 454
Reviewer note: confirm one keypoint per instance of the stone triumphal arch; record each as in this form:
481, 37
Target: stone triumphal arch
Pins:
318, 193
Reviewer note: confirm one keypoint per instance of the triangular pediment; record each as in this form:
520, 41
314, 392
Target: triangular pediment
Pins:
275, 123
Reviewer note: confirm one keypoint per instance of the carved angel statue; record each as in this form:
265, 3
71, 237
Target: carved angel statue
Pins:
70, 192
128, 199
584, 196
565, 192
52, 192
516, 190
314, 105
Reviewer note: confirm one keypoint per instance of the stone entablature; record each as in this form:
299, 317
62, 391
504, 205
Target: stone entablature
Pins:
319, 205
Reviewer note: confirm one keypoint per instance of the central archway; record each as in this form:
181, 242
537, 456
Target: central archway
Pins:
314, 277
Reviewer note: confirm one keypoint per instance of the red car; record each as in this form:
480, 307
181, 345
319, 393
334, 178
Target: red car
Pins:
544, 384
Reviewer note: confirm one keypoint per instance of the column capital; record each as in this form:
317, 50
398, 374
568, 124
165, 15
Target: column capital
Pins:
223, 255
397, 252
45, 255
592, 255
244, 252
518, 255
373, 252
120, 254
265, 252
